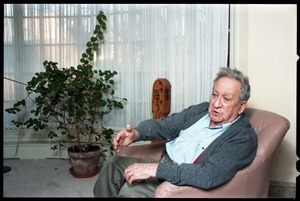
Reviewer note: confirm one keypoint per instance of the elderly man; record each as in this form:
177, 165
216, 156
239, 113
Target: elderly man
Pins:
208, 143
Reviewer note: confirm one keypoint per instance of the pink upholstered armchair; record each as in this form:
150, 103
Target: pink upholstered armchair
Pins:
251, 182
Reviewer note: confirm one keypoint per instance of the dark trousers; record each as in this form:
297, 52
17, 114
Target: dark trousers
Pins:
111, 181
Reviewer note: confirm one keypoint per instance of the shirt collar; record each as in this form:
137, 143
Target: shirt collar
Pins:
207, 119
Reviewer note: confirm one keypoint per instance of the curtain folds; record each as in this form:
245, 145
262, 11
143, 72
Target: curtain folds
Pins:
185, 44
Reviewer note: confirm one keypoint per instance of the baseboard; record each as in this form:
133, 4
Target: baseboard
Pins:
282, 190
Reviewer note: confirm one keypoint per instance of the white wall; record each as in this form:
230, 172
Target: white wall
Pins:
265, 50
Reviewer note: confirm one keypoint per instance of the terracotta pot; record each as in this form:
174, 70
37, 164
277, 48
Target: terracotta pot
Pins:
84, 164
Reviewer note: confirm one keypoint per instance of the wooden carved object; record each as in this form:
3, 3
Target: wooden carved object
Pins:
161, 98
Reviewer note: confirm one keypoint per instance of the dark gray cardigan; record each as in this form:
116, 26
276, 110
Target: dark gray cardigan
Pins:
218, 163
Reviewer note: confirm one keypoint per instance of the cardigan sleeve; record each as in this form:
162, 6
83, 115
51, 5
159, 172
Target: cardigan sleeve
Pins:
169, 127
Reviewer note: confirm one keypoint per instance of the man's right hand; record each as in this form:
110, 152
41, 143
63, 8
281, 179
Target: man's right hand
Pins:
125, 137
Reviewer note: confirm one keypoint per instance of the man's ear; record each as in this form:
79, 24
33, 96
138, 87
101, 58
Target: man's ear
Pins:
242, 107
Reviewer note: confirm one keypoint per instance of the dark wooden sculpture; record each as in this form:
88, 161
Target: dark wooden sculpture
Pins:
161, 98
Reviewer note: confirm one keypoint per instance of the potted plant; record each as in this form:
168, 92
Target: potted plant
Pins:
71, 106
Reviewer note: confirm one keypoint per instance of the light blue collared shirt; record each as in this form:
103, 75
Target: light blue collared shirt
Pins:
192, 141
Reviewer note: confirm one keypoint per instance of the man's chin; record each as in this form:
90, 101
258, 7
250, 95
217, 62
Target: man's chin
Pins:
216, 120
215, 116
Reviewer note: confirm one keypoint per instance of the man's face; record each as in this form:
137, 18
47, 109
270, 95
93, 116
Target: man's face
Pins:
224, 104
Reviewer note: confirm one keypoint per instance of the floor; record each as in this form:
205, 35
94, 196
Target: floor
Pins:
51, 178
44, 178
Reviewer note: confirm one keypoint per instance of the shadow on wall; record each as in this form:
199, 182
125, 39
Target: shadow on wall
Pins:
284, 159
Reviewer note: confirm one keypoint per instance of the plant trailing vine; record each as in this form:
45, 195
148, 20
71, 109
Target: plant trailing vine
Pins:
76, 99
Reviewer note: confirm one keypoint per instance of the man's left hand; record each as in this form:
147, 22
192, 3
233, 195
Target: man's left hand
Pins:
140, 171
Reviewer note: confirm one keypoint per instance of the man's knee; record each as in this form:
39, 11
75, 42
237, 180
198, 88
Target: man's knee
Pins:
113, 160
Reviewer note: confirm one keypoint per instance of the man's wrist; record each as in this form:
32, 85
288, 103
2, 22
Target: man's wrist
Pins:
137, 135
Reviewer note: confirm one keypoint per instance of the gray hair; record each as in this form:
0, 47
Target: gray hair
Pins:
237, 75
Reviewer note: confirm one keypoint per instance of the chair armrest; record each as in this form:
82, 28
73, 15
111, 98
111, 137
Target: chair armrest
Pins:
168, 190
146, 151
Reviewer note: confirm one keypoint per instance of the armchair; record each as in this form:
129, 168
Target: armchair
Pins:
251, 182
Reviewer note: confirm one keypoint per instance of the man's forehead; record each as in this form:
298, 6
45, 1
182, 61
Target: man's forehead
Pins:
227, 86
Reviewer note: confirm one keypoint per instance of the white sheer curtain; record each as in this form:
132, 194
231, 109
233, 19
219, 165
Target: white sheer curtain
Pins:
185, 44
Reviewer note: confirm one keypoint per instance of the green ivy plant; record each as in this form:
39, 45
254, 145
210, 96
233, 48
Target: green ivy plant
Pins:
75, 99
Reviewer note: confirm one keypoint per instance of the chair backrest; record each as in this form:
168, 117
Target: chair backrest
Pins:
271, 129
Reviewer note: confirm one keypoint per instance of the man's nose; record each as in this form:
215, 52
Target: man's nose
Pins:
218, 102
